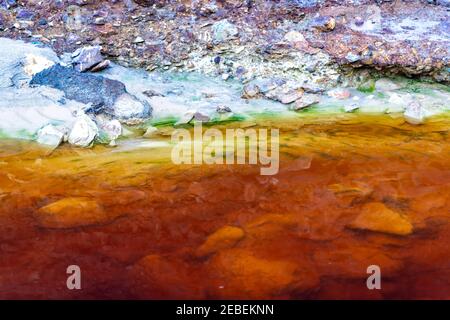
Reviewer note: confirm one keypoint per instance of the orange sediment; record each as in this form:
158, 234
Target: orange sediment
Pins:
141, 227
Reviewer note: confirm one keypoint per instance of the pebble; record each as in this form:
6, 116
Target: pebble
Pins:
138, 40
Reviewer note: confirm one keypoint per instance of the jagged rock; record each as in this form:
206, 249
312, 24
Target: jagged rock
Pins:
224, 30
323, 23
223, 109
291, 96
225, 237
83, 132
104, 95
101, 66
83, 59
138, 40
306, 101
100, 92
377, 217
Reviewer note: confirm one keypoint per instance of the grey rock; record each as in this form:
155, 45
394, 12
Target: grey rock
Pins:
306, 101
103, 94
251, 90
223, 109
85, 58
323, 23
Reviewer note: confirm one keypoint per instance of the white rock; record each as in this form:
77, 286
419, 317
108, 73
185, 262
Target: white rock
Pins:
351, 107
50, 136
294, 36
83, 132
150, 132
414, 113
35, 64
127, 108
138, 40
113, 129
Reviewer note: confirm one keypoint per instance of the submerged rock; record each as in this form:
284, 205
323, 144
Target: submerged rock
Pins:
103, 94
242, 274
377, 217
223, 238
71, 212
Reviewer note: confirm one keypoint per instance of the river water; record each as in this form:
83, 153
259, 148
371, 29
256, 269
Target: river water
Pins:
144, 227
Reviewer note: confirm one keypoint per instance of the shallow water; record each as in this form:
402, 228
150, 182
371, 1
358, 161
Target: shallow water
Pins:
146, 236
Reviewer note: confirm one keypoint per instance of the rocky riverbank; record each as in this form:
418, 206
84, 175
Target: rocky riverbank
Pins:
91, 71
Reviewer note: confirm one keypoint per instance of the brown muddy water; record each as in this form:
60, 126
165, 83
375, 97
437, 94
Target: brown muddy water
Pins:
352, 191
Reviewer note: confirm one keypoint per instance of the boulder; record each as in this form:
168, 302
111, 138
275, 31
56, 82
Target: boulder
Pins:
50, 136
83, 132
103, 94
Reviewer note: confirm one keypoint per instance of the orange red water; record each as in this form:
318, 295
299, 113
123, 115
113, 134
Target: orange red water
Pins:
225, 231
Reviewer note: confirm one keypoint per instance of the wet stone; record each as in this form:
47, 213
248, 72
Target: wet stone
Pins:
379, 218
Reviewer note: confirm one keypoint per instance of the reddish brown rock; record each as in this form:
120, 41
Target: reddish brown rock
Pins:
225, 237
240, 274
377, 217
71, 212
